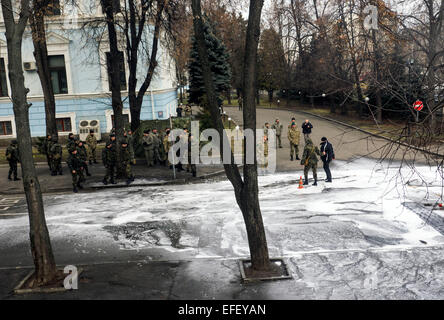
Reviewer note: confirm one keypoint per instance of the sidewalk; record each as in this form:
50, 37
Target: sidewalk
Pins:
157, 175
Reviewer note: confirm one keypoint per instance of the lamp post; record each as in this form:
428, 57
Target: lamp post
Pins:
229, 123
323, 99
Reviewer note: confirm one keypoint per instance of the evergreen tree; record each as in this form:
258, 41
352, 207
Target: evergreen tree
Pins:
220, 67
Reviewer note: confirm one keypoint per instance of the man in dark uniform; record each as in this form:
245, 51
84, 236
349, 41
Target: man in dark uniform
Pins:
327, 155
127, 161
12, 155
310, 161
71, 141
55, 154
83, 155
45, 149
109, 158
75, 166
306, 129
191, 166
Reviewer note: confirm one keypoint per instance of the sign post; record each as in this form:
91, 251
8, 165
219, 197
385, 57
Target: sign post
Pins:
418, 106
173, 153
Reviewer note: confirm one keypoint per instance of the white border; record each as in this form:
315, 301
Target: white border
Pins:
71, 115
14, 131
109, 120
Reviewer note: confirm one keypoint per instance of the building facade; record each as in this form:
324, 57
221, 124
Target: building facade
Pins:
78, 54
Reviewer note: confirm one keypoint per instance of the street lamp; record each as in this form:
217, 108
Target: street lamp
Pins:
323, 99
229, 123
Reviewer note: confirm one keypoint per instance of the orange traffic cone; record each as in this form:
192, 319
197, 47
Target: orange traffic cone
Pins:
301, 184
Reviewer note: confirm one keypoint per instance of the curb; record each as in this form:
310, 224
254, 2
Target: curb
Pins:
358, 129
121, 186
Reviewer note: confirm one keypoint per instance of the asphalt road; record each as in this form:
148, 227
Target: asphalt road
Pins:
348, 143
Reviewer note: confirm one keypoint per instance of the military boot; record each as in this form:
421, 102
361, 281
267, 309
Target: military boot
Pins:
9, 177
74, 189
105, 182
112, 181
297, 157
306, 181
17, 179
316, 182
128, 182
79, 185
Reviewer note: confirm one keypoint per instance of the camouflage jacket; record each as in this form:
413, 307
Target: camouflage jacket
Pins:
294, 135
126, 156
82, 153
278, 127
310, 154
109, 156
55, 151
148, 142
74, 162
91, 141
12, 153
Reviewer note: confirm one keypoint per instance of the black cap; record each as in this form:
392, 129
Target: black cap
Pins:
14, 142
112, 135
91, 131
323, 139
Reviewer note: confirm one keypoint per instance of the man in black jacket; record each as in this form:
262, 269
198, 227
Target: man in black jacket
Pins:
306, 129
327, 155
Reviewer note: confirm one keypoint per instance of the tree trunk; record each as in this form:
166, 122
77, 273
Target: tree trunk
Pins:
114, 73
229, 96
44, 262
246, 191
270, 95
37, 23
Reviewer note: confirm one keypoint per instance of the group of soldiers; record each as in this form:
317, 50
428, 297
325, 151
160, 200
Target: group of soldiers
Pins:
310, 152
184, 109
157, 145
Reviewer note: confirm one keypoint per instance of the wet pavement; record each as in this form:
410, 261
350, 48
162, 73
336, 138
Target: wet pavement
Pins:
353, 239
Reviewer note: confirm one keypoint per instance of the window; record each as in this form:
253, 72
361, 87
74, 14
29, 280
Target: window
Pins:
122, 70
58, 74
3, 84
64, 124
5, 128
125, 120
53, 8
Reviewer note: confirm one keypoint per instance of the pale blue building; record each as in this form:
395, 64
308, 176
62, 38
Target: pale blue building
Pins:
78, 63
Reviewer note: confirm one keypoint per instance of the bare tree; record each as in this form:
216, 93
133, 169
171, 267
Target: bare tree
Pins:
136, 16
44, 262
37, 22
246, 190
109, 8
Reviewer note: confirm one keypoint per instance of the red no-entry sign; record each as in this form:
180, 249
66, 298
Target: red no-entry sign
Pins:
418, 105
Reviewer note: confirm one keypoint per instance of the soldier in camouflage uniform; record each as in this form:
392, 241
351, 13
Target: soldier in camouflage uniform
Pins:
83, 155
130, 139
266, 128
91, 141
310, 161
167, 145
294, 135
71, 141
75, 166
109, 158
55, 155
12, 155
277, 126
156, 150
191, 166
148, 146
262, 152
45, 149
127, 161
